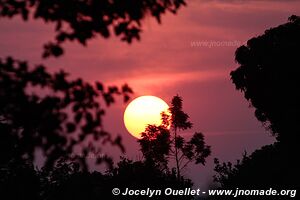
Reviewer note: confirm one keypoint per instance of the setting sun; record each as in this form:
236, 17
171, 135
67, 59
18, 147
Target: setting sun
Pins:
143, 111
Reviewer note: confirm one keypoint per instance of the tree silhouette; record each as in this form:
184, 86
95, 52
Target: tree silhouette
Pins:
144, 174
156, 146
80, 21
67, 181
56, 122
272, 166
268, 77
51, 113
160, 143
48, 111
19, 180
258, 171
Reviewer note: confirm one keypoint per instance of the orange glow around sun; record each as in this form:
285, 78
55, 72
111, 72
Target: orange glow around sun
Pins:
143, 111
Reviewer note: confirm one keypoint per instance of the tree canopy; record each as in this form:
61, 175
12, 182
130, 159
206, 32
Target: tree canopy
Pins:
77, 20
66, 181
48, 111
62, 117
268, 76
39, 110
161, 143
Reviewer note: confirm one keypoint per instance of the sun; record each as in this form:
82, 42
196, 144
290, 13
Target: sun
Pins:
143, 111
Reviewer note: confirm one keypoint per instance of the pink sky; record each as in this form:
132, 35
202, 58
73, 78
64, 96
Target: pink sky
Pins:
164, 64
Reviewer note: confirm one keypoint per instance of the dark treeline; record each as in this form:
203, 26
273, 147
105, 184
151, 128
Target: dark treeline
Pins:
67, 178
268, 76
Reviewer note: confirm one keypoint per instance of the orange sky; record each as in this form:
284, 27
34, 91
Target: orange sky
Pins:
164, 64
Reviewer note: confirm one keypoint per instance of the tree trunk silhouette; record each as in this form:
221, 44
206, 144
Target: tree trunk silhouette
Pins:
176, 154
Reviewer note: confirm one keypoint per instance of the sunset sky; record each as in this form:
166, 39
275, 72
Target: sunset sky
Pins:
165, 63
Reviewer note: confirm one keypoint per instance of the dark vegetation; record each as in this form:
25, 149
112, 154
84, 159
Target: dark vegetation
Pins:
49, 112
160, 144
80, 21
64, 118
268, 77
56, 115
66, 179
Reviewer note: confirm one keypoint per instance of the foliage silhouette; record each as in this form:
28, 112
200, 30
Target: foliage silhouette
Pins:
30, 121
56, 122
67, 181
268, 77
156, 145
19, 180
159, 143
80, 21
261, 162
273, 166
142, 174
49, 112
